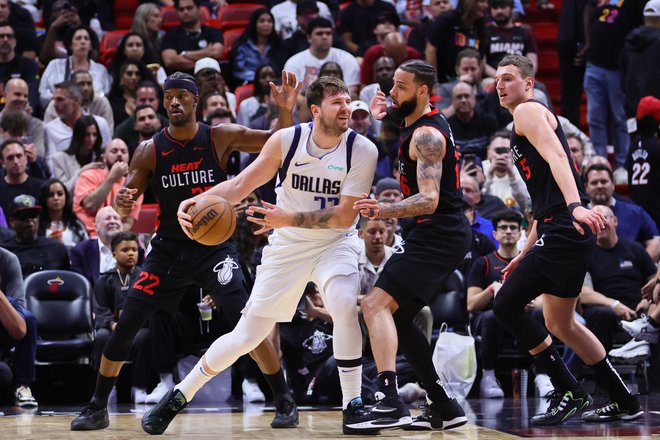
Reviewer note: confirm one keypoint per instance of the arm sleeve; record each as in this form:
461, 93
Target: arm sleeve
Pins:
361, 175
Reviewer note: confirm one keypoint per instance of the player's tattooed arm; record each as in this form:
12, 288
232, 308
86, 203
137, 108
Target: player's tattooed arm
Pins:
321, 219
428, 145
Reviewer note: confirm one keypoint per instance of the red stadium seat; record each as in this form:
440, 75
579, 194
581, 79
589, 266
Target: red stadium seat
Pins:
147, 219
230, 36
243, 92
109, 44
124, 12
237, 15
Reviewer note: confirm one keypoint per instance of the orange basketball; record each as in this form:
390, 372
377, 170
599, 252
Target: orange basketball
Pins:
213, 220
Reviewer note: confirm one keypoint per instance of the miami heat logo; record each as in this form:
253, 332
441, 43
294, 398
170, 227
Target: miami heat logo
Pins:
399, 248
225, 270
54, 284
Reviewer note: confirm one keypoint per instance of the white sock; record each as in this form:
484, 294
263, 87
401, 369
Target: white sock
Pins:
488, 373
167, 379
350, 379
195, 380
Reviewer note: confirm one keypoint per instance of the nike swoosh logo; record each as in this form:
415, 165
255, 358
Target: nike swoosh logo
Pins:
165, 153
300, 164
422, 220
547, 219
383, 410
199, 148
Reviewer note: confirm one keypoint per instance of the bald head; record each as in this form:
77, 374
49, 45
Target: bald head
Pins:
108, 223
394, 45
16, 94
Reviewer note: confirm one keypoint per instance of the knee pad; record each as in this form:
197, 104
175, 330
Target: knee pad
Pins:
340, 296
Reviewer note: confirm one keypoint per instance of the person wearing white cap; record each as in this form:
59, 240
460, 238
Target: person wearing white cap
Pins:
640, 60
185, 44
208, 75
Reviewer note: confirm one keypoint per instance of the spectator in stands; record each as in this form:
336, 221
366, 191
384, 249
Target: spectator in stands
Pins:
97, 187
633, 222
306, 64
147, 123
93, 103
147, 22
643, 162
306, 10
386, 23
34, 253
502, 179
57, 219
18, 330
16, 180
463, 27
23, 25
15, 65
219, 116
357, 21
211, 101
255, 47
208, 75
372, 260
483, 282
134, 47
383, 79
389, 188
16, 94
16, 125
124, 87
640, 59
483, 205
68, 105
84, 152
192, 41
504, 37
469, 70
286, 16
612, 291
576, 147
147, 93
62, 20
110, 293
92, 257
471, 127
432, 11
252, 106
362, 122
481, 245
606, 27
394, 45
80, 43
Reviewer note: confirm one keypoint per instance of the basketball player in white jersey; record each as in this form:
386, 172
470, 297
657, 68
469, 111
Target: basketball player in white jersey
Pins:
323, 168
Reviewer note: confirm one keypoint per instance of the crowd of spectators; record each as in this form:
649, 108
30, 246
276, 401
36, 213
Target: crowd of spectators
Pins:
72, 116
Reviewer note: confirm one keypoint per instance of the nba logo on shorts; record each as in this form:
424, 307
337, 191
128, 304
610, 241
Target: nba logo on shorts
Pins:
225, 270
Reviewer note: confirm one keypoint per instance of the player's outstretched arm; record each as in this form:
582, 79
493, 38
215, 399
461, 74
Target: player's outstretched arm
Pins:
142, 167
428, 148
255, 175
531, 121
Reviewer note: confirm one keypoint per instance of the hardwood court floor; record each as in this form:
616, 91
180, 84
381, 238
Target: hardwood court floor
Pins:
489, 419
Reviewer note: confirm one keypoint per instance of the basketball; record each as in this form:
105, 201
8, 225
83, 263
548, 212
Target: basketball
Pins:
213, 220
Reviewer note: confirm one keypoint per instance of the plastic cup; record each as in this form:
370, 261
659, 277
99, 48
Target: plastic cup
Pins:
205, 311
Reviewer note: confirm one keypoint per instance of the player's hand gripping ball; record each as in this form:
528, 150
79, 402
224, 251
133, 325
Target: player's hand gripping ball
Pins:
213, 220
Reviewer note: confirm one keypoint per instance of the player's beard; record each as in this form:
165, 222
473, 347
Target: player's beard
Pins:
181, 119
331, 128
404, 109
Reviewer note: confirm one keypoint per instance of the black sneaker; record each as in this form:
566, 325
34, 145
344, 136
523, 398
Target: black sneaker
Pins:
158, 418
614, 411
286, 416
562, 406
390, 412
91, 418
438, 416
357, 420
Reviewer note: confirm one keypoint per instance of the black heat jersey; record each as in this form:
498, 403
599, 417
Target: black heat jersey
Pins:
535, 171
643, 167
183, 169
451, 197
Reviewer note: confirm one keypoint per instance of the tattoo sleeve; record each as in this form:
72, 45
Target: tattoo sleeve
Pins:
321, 219
430, 151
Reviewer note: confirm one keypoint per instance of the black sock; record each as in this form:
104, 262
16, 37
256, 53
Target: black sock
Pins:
559, 374
609, 379
278, 386
652, 321
387, 383
104, 385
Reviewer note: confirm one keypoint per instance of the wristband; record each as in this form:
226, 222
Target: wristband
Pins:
571, 207
615, 304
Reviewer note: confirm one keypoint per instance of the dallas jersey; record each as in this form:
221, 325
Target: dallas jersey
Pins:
307, 183
184, 169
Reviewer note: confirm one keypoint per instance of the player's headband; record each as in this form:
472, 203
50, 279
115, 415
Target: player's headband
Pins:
176, 83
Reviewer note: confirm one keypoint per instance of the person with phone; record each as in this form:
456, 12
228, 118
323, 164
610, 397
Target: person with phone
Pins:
502, 180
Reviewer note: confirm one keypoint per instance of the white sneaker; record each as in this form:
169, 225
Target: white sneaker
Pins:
411, 392
641, 330
620, 176
632, 352
543, 385
251, 392
490, 389
24, 398
158, 393
139, 395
